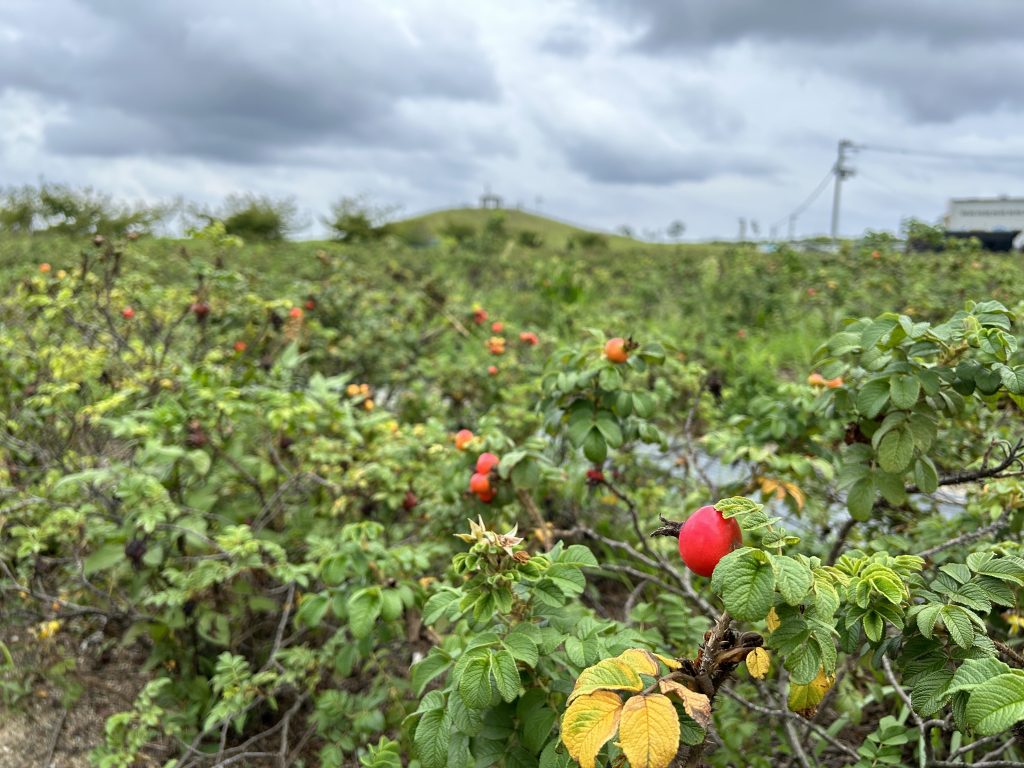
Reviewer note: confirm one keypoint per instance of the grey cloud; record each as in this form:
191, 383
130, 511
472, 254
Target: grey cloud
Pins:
939, 61
239, 81
647, 164
676, 24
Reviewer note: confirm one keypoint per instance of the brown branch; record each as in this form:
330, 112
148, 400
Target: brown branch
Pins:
1010, 653
993, 527
787, 715
1014, 455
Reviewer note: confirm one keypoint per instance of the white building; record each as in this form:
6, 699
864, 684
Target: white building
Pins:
997, 221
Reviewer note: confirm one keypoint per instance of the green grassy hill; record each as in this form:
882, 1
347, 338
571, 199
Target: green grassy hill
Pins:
554, 234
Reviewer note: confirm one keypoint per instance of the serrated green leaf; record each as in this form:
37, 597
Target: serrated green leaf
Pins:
958, 624
745, 583
975, 672
475, 685
431, 740
904, 389
872, 397
793, 578
997, 705
860, 499
428, 668
927, 617
896, 450
506, 675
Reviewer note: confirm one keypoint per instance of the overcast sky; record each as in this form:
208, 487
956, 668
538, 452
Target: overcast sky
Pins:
606, 112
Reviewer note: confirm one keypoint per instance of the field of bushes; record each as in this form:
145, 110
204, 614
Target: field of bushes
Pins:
245, 465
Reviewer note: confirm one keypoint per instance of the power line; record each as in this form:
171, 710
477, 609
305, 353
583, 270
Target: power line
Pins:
810, 198
941, 155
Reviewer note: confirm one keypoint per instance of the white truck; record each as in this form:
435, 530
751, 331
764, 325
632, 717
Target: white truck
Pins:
998, 222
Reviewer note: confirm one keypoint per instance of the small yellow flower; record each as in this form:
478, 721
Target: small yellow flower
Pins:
1015, 620
47, 629
352, 390
368, 405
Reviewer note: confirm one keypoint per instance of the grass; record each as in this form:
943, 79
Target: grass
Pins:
555, 234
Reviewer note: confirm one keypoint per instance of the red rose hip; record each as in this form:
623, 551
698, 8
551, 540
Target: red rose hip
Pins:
705, 538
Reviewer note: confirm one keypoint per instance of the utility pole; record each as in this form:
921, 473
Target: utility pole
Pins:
792, 227
842, 171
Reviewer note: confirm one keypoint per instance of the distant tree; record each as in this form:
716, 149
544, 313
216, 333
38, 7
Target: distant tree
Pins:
255, 217
356, 220
626, 231
19, 208
65, 210
676, 230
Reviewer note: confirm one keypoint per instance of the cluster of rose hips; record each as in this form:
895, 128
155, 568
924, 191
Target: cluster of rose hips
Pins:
817, 380
361, 390
480, 482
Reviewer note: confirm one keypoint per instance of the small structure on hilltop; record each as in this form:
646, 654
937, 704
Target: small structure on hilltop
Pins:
998, 222
489, 200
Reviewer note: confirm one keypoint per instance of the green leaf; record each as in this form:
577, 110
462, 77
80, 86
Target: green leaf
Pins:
997, 705
594, 446
609, 428
896, 450
958, 624
874, 625
861, 499
975, 672
521, 646
578, 554
536, 719
1013, 379
924, 430
891, 487
475, 684
363, 610
904, 389
793, 579
431, 740
925, 476
928, 694
438, 605
428, 668
643, 404
107, 556
803, 663
872, 397
927, 617
506, 675
312, 610
746, 584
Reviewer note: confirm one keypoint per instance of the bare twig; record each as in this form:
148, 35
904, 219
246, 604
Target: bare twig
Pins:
787, 715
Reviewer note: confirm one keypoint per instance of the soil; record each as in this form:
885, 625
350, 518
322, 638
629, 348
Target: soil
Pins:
38, 731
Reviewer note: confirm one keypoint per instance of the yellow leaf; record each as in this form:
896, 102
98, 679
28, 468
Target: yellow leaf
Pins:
805, 698
773, 620
696, 705
607, 675
589, 722
798, 496
649, 731
670, 663
758, 661
1015, 620
640, 661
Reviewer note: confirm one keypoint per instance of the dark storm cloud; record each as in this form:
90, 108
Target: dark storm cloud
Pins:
238, 81
937, 60
650, 164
